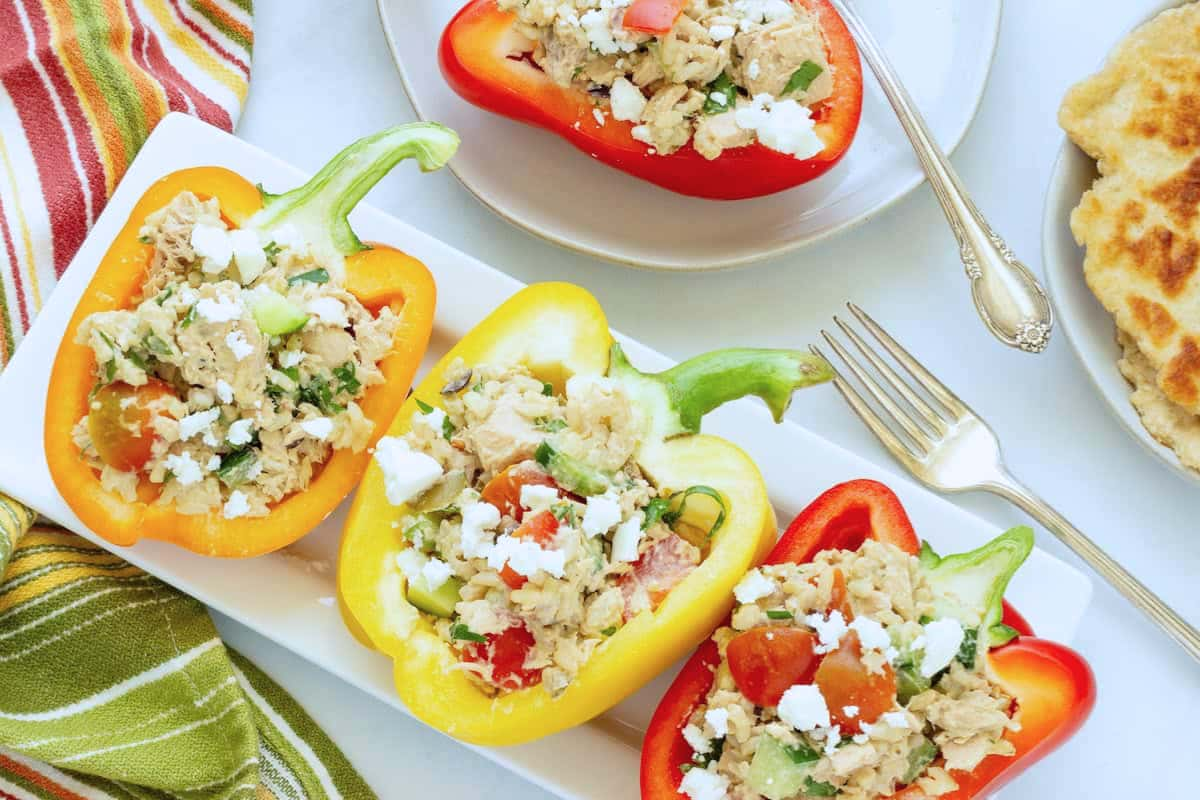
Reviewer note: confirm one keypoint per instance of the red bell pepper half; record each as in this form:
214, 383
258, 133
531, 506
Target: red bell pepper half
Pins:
1053, 686
482, 62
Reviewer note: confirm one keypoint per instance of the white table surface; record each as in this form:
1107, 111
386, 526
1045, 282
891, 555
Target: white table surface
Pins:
322, 77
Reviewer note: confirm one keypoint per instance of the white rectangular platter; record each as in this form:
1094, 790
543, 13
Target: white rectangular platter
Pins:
286, 596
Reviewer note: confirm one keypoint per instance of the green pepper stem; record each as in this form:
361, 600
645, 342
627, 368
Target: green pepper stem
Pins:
970, 586
701, 384
319, 208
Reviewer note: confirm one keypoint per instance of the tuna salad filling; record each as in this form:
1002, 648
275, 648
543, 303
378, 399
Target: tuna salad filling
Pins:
876, 690
728, 74
237, 372
533, 534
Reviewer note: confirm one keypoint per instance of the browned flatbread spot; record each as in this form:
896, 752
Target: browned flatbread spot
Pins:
1178, 124
1152, 317
1159, 253
1180, 378
1180, 194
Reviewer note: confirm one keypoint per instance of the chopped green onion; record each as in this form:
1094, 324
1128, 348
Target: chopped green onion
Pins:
779, 613
189, 317
565, 512
724, 87
461, 631
609, 631
271, 249
146, 239
966, 651
448, 428
802, 78
133, 358
478, 387
165, 295
157, 346
548, 389
110, 371
549, 425
293, 373
312, 276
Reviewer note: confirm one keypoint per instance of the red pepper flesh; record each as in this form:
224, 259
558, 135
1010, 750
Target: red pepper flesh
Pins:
479, 62
1053, 686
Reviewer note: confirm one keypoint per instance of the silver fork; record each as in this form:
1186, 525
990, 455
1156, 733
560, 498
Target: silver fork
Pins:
948, 447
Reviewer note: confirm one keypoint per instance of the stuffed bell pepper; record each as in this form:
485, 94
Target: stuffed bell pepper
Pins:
237, 354
858, 664
544, 528
723, 99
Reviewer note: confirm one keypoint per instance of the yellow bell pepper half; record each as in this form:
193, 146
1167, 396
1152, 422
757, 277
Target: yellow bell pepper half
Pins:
558, 331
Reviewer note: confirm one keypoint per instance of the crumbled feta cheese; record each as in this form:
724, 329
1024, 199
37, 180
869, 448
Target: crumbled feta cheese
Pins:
720, 33
850, 712
329, 310
871, 634
718, 720
318, 427
696, 739
602, 515
833, 737
436, 572
200, 422
240, 432
757, 11
782, 125
829, 630
237, 506
626, 100
753, 70
213, 464
894, 719
536, 497
860, 738
719, 98
625, 540
477, 520
753, 586
642, 134
224, 390
598, 115
943, 637
803, 707
577, 385
187, 296
597, 26
248, 254
291, 358
434, 420
213, 245
702, 784
411, 561
185, 469
406, 474
525, 557
219, 310
236, 341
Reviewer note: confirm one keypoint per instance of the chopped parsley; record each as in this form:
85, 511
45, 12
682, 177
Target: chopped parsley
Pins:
317, 393
236, 466
802, 78
967, 650
312, 276
425, 407
609, 631
819, 789
549, 425
461, 631
548, 389
779, 613
347, 378
146, 240
272, 251
724, 87
565, 512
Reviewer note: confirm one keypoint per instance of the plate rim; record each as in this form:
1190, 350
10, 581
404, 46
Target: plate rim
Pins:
713, 265
1114, 392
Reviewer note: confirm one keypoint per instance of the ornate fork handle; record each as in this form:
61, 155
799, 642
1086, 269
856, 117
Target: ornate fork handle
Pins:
1011, 302
1133, 590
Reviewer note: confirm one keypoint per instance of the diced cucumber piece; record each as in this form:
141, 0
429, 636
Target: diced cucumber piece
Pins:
909, 683
440, 601
779, 772
919, 758
276, 315
571, 473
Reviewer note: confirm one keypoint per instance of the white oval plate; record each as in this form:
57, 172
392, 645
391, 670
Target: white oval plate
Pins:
942, 49
1088, 326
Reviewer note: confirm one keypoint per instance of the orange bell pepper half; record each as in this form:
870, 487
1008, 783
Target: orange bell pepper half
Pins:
1053, 686
378, 275
482, 60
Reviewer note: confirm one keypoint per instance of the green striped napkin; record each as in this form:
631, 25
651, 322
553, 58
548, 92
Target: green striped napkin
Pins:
115, 685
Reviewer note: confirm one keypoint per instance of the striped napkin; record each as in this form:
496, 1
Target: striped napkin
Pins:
113, 684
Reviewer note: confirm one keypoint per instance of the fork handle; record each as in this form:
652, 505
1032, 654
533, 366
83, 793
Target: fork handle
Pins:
1009, 299
1134, 590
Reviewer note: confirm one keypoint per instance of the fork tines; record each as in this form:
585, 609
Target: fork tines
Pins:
913, 425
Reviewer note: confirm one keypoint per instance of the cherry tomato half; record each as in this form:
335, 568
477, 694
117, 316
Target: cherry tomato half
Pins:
767, 661
506, 652
539, 528
845, 681
119, 423
504, 490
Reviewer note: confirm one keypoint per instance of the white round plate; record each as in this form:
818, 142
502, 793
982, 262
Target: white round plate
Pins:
1088, 326
942, 49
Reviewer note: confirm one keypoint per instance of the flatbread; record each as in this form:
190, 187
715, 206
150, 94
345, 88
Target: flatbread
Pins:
1139, 117
1169, 424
